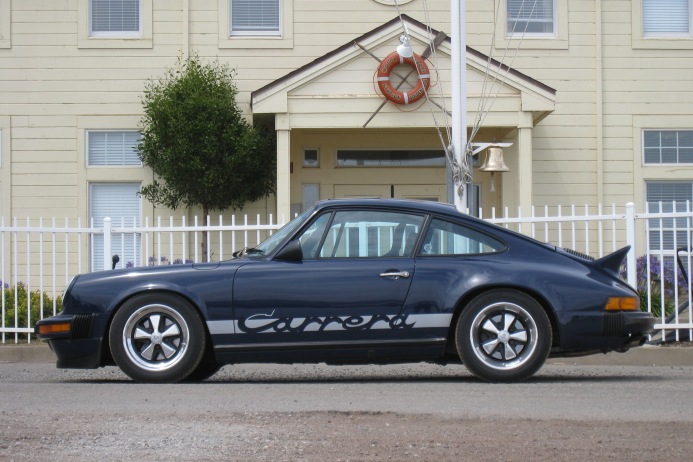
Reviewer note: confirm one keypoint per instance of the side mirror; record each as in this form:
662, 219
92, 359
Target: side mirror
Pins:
291, 252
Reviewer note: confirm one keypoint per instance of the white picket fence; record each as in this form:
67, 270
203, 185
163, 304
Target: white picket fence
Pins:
41, 256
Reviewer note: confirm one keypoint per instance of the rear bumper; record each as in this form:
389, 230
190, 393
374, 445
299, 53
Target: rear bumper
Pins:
604, 331
72, 341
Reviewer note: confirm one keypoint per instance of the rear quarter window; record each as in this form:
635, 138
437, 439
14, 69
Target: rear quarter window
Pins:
446, 238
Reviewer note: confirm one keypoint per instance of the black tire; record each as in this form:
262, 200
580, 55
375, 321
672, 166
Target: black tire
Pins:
207, 367
503, 336
157, 337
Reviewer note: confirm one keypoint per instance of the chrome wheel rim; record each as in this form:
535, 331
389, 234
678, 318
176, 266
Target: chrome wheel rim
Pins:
503, 336
156, 337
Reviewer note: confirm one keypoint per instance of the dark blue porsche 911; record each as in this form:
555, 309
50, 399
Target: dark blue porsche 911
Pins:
355, 281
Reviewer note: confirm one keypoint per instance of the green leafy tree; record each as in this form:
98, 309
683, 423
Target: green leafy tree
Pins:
202, 150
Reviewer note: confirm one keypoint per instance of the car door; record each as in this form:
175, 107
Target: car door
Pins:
350, 286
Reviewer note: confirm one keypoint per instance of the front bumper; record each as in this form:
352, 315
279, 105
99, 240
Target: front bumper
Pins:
70, 338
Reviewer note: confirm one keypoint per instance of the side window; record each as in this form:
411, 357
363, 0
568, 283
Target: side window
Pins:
113, 148
250, 24
667, 197
666, 18
445, 238
536, 17
312, 236
532, 24
662, 24
119, 18
371, 234
255, 17
668, 146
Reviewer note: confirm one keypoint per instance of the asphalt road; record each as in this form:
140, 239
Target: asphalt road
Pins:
572, 410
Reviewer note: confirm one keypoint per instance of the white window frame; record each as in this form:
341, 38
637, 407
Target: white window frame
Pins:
309, 164
662, 230
661, 40
90, 134
520, 29
677, 147
5, 24
249, 40
126, 245
122, 33
686, 34
125, 39
259, 32
554, 41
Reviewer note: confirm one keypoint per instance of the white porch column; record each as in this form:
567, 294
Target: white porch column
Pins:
283, 168
524, 171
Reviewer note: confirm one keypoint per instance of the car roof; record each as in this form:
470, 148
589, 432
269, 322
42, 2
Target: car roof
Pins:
409, 204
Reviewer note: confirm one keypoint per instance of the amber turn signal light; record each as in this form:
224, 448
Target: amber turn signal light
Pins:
60, 328
622, 304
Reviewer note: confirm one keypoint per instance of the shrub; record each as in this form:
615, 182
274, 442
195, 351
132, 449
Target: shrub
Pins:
24, 297
660, 272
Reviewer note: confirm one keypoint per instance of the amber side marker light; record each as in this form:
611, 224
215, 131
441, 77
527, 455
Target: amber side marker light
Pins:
622, 304
60, 328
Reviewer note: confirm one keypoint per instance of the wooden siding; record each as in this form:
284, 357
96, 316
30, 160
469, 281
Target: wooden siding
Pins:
52, 86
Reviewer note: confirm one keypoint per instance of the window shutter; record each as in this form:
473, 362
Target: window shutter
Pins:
113, 148
665, 17
115, 15
255, 15
120, 202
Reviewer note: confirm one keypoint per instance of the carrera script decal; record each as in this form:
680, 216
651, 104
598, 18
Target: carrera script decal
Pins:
270, 324
258, 323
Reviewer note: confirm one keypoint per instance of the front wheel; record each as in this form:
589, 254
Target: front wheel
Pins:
157, 338
503, 336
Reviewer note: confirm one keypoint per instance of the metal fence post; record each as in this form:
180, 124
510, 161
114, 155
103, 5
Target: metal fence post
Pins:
107, 243
630, 240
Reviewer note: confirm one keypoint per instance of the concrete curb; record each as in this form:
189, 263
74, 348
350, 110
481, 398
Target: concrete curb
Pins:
647, 355
38, 352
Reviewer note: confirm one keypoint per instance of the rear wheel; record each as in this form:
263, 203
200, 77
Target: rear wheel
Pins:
157, 338
503, 336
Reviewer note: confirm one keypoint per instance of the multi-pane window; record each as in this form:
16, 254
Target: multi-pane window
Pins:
668, 146
113, 148
255, 17
120, 202
534, 17
666, 18
114, 18
666, 197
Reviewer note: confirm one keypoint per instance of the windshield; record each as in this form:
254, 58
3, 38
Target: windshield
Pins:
271, 243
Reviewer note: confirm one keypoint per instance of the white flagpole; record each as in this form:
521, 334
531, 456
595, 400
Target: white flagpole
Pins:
459, 96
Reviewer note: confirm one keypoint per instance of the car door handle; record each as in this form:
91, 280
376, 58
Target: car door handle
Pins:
395, 274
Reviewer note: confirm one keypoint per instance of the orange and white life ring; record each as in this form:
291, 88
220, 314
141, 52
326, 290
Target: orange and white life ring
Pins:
400, 97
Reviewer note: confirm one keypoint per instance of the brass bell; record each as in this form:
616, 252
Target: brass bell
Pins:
494, 161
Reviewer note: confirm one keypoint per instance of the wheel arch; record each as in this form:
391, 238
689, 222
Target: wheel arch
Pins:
469, 296
107, 357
